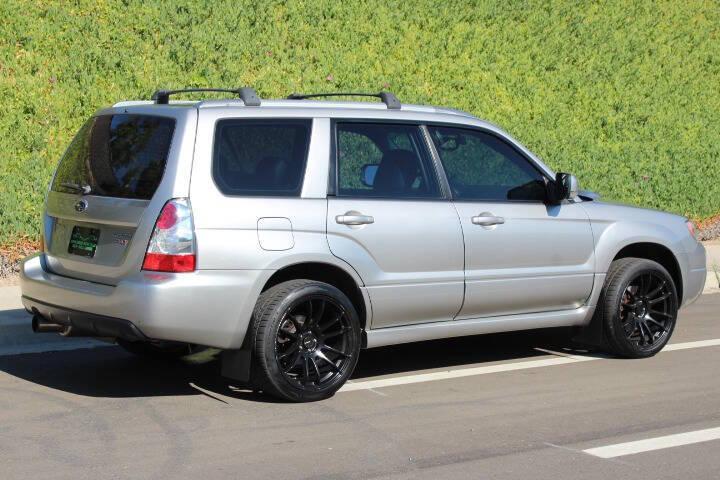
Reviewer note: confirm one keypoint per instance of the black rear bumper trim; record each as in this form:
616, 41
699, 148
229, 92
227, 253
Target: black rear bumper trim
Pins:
85, 324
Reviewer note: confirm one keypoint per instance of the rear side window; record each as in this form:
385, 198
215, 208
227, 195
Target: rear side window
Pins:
481, 166
117, 156
260, 157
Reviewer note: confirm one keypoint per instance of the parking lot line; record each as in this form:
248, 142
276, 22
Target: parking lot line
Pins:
563, 359
459, 373
657, 443
685, 345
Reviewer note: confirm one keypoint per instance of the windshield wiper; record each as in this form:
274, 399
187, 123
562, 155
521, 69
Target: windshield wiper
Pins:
81, 189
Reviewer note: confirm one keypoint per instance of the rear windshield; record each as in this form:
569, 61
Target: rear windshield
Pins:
261, 157
117, 156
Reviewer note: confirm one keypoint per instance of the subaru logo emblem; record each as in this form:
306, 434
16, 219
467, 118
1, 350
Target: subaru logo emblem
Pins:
81, 206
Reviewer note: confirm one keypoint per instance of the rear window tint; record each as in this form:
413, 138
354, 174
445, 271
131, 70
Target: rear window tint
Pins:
260, 157
117, 156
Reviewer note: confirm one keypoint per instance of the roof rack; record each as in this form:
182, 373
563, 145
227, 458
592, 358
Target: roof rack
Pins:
247, 94
388, 98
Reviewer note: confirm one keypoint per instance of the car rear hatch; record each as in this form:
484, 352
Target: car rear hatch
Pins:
110, 186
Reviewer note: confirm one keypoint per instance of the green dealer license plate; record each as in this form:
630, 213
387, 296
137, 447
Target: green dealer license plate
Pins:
83, 241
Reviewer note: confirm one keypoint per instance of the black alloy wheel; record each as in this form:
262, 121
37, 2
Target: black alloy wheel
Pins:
306, 340
313, 342
638, 305
647, 310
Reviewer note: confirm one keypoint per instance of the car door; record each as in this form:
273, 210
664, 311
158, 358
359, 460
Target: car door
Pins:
389, 220
522, 255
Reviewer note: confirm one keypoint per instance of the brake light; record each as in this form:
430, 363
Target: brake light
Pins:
172, 244
691, 228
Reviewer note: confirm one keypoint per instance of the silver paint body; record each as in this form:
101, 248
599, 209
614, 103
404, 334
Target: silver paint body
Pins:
426, 269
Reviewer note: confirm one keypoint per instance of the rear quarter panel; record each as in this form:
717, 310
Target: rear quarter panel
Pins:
259, 234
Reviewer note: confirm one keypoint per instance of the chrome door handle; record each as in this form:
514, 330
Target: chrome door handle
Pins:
352, 218
486, 219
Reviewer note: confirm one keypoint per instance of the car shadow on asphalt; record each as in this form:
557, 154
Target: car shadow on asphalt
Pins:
112, 372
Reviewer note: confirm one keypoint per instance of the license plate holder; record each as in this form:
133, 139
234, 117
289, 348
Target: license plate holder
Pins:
83, 241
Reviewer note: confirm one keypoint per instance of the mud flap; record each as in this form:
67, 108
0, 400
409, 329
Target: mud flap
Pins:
236, 365
591, 335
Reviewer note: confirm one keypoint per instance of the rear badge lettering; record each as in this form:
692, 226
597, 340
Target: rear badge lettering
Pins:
121, 239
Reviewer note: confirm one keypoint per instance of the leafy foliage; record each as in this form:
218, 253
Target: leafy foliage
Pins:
623, 94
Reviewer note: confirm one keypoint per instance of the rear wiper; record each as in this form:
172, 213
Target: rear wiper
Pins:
81, 189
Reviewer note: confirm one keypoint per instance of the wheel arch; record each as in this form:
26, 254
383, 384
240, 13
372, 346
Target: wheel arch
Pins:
657, 253
329, 273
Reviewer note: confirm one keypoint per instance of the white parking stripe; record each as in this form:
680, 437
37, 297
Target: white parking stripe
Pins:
657, 443
464, 372
700, 343
564, 359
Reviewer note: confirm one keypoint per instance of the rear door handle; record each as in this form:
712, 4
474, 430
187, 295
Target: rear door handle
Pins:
353, 218
487, 219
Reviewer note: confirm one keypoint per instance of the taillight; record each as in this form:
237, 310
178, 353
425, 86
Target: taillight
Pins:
691, 228
172, 244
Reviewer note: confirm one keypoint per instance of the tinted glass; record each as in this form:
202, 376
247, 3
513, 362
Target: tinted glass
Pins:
383, 160
259, 157
117, 156
481, 166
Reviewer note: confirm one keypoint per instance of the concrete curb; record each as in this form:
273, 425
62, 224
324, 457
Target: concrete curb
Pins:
712, 283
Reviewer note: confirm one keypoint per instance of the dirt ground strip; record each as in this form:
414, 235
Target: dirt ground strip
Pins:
709, 229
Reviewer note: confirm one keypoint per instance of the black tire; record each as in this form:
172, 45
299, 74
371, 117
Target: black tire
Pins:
160, 350
306, 340
638, 307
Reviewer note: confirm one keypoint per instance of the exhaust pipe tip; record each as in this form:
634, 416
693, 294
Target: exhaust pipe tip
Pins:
40, 325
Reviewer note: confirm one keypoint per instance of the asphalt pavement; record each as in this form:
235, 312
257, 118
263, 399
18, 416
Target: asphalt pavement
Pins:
517, 406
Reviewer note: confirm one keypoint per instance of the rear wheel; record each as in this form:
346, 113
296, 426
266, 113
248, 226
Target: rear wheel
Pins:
306, 340
639, 306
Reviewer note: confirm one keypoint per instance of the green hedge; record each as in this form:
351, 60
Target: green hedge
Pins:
623, 94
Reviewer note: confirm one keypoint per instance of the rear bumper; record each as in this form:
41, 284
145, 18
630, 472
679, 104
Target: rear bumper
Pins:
205, 307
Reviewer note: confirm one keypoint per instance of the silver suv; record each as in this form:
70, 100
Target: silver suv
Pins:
293, 233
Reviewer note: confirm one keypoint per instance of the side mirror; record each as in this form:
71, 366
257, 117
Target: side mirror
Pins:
368, 173
566, 186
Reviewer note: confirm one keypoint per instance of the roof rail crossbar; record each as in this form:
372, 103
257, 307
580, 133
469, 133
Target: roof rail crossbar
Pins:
387, 98
246, 94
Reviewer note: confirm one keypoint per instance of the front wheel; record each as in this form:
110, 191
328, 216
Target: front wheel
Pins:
639, 306
306, 340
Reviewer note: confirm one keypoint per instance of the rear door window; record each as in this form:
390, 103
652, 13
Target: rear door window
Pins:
383, 161
120, 155
260, 157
